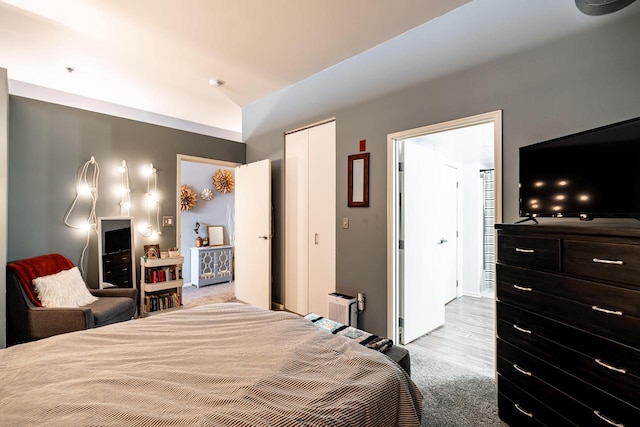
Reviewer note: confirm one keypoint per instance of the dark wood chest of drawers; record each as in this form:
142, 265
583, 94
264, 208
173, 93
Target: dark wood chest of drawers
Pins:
568, 325
116, 269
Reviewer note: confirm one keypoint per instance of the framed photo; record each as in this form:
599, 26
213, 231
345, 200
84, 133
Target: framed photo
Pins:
216, 235
152, 251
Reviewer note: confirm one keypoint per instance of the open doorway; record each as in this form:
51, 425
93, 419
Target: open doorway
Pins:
211, 208
421, 246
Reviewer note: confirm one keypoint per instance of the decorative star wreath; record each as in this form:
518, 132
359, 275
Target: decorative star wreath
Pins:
223, 181
188, 198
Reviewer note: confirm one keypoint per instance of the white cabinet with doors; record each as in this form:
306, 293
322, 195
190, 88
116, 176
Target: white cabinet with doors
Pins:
310, 218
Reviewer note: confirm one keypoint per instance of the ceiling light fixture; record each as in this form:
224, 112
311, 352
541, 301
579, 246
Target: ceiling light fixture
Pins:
601, 7
216, 83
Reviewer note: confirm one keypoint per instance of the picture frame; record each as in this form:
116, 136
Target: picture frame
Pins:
216, 235
358, 180
152, 251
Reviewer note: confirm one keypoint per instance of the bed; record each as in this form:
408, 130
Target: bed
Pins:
227, 364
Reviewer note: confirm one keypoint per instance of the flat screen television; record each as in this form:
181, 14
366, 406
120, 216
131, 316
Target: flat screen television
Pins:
592, 174
117, 240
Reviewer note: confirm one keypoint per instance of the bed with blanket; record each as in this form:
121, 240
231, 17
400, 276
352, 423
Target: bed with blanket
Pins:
227, 364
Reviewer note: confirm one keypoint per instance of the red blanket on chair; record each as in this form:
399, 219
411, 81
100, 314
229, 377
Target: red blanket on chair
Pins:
43, 265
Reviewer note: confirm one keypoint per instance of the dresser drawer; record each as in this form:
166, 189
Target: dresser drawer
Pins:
564, 393
612, 262
124, 281
519, 408
535, 252
613, 298
123, 269
610, 366
123, 257
108, 261
109, 273
513, 415
603, 309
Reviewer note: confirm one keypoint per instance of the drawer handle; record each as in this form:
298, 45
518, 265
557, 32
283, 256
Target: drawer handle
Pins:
608, 261
604, 310
522, 288
607, 419
526, 331
528, 414
522, 371
613, 368
525, 251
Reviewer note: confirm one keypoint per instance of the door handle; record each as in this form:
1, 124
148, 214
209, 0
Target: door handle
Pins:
442, 240
316, 238
263, 237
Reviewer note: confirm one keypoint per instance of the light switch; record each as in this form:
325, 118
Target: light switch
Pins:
167, 221
345, 222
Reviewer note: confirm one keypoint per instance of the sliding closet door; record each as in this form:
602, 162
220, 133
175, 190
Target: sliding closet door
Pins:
296, 220
322, 216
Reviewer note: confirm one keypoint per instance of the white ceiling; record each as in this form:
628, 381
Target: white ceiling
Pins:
159, 55
156, 57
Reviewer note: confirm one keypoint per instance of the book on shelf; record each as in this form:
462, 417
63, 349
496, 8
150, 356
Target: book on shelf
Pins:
162, 301
162, 274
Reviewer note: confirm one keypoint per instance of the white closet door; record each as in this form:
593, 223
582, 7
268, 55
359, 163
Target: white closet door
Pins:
322, 216
296, 222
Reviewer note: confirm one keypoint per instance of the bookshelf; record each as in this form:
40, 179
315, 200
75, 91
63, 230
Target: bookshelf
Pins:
160, 285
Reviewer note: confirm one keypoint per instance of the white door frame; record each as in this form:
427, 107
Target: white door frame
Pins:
494, 117
187, 158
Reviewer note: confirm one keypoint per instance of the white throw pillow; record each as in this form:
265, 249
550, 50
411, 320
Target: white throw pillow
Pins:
63, 289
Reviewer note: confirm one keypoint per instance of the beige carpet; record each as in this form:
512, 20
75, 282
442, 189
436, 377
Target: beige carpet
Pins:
193, 296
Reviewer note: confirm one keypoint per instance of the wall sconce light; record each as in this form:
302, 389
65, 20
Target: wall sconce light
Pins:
86, 187
152, 202
125, 191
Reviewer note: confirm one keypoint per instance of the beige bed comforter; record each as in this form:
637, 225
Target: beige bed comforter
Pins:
216, 365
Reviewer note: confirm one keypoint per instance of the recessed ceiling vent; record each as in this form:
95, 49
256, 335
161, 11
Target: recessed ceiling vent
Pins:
601, 7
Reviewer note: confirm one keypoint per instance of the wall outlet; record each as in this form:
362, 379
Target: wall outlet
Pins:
345, 222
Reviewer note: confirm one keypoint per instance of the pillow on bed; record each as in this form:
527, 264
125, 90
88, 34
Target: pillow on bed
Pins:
63, 289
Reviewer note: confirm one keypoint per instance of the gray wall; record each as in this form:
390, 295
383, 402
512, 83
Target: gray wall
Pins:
49, 143
573, 84
4, 110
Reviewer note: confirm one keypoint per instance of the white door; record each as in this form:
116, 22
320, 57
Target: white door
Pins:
421, 293
322, 216
296, 217
310, 219
253, 233
448, 226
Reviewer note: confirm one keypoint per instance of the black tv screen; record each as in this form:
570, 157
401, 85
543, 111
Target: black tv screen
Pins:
592, 174
117, 240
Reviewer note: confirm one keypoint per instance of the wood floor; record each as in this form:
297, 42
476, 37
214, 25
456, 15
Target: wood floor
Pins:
467, 337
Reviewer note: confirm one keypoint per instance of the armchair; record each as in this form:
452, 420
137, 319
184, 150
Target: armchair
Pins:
28, 320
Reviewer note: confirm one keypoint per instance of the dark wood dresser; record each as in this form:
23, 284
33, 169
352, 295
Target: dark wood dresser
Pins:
568, 325
116, 269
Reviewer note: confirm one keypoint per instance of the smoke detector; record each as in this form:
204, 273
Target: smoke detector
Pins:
601, 7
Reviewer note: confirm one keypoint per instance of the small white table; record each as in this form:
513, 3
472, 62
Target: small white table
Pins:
211, 264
